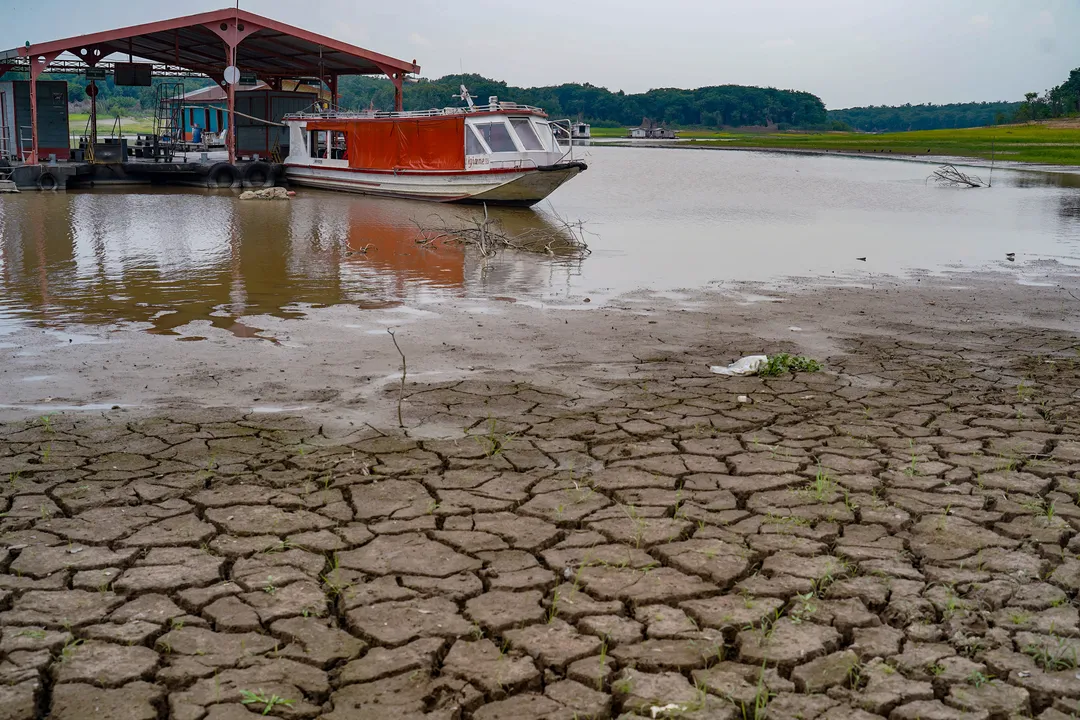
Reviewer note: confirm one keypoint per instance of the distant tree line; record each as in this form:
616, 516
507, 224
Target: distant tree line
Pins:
924, 117
1060, 101
717, 106
706, 107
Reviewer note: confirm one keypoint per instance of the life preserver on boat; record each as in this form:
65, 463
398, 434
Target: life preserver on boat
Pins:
47, 181
223, 175
259, 175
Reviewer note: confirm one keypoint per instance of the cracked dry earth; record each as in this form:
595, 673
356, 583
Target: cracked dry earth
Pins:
895, 536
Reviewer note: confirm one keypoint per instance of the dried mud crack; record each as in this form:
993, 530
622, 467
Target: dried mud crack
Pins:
894, 537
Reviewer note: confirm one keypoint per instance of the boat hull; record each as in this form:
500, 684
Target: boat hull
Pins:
501, 187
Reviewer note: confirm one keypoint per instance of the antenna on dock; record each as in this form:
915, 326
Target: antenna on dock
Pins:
466, 97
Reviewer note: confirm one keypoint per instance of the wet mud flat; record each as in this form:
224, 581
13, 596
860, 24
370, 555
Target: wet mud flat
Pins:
588, 525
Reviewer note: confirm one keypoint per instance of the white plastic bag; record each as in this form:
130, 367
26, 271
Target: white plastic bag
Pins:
747, 366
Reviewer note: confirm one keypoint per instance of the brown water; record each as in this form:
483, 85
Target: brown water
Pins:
663, 220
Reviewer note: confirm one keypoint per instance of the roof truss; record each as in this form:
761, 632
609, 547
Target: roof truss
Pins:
201, 43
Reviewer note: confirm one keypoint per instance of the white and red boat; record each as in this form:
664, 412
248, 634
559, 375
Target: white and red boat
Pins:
500, 153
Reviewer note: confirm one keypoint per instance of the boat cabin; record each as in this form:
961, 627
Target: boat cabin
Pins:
498, 137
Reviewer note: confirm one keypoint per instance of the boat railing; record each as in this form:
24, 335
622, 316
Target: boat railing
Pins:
338, 114
562, 127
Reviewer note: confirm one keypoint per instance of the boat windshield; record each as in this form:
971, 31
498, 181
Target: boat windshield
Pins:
472, 143
526, 134
497, 136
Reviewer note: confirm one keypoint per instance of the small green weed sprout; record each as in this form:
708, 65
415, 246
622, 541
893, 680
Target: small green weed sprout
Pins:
248, 697
784, 362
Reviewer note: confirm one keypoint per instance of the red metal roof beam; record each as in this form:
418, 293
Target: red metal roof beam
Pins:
378, 61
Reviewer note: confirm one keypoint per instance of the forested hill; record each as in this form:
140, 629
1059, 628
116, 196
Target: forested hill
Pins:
716, 106
731, 105
707, 107
925, 117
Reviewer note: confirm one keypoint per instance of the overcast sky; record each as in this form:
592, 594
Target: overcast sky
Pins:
848, 52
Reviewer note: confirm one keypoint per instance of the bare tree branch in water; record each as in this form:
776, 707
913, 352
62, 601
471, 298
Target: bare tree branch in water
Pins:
949, 176
488, 235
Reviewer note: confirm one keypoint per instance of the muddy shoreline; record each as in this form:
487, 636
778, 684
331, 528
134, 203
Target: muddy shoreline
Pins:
336, 363
579, 520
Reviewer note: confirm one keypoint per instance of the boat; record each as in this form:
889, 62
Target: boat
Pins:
501, 153
581, 131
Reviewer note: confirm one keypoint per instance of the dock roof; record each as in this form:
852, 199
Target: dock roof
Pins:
198, 42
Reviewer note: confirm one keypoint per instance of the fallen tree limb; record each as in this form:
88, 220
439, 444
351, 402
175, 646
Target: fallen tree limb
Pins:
489, 235
949, 176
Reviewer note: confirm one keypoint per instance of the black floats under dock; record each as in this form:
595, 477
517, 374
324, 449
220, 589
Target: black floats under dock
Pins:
72, 175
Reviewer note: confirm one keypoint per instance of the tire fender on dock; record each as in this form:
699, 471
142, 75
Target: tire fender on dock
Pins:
259, 175
223, 175
47, 181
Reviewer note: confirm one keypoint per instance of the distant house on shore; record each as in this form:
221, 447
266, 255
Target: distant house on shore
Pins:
651, 130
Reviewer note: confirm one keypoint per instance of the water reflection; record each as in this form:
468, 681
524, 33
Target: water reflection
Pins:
1069, 209
1043, 179
166, 257
663, 219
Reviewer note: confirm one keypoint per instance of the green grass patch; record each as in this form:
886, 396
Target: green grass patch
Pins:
1031, 143
129, 125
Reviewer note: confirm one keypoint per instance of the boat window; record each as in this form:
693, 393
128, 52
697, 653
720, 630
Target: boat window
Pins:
318, 143
526, 134
338, 148
497, 136
472, 143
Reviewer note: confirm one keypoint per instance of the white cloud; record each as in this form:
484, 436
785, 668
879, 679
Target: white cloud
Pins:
980, 22
1044, 19
349, 33
777, 43
417, 39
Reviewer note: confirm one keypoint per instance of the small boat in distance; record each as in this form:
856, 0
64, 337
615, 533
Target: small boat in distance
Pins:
500, 153
581, 131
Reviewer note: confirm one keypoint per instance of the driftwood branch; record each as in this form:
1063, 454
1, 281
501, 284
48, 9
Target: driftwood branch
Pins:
488, 235
949, 176
404, 370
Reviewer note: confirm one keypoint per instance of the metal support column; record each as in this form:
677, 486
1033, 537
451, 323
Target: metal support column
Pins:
232, 33
38, 65
231, 138
93, 113
399, 100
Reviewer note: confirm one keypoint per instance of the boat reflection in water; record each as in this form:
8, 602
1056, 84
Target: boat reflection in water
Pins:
167, 258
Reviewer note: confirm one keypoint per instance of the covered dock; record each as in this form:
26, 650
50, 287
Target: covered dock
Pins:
224, 45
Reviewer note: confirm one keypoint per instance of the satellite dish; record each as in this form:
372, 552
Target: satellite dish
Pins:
232, 75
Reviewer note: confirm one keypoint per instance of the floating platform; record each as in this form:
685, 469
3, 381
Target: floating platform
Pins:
70, 175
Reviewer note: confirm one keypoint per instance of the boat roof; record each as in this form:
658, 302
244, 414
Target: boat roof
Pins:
502, 108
